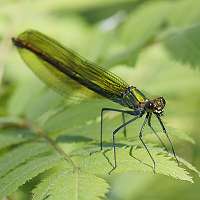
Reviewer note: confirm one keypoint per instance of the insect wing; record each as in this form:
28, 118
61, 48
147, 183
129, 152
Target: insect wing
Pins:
64, 70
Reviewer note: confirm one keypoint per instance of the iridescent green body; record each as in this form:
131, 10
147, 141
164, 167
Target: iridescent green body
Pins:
66, 72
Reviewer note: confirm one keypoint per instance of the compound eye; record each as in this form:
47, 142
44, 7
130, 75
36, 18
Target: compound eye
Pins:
151, 105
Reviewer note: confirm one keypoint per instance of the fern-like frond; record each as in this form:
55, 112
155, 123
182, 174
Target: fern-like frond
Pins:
71, 184
140, 161
13, 136
25, 172
20, 155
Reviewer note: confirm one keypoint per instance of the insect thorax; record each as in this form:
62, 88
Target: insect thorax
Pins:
133, 98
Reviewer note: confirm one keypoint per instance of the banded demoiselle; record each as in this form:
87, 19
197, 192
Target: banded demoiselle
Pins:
69, 68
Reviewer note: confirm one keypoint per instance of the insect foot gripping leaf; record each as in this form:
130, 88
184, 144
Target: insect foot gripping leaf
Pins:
138, 161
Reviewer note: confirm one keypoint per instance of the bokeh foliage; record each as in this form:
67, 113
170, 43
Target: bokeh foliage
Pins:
153, 45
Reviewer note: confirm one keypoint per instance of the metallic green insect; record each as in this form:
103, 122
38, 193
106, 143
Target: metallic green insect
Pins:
63, 69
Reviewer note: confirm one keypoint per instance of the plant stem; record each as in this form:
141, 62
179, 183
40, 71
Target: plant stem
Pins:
23, 123
40, 132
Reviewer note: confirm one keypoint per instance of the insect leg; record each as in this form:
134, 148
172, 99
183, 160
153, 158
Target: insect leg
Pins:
131, 154
165, 131
149, 124
113, 138
102, 111
141, 139
123, 121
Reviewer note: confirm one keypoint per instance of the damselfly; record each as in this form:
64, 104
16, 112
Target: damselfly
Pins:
58, 66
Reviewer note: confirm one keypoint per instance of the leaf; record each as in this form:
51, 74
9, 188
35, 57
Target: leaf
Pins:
14, 136
20, 155
23, 173
145, 22
178, 19
189, 166
141, 162
140, 28
38, 104
183, 44
73, 185
41, 191
174, 132
78, 116
22, 96
180, 134
95, 11
78, 185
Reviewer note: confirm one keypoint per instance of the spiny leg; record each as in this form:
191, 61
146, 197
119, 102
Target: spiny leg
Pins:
149, 124
113, 138
165, 131
141, 139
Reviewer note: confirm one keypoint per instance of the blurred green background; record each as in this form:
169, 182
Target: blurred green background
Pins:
154, 45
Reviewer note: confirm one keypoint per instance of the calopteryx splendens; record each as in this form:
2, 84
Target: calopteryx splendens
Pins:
68, 68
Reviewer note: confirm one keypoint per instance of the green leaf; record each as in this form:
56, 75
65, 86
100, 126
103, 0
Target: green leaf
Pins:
14, 136
141, 162
25, 172
94, 11
20, 155
178, 19
73, 185
176, 134
143, 24
183, 44
38, 104
69, 115
22, 96
140, 28
180, 134
189, 166
41, 191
